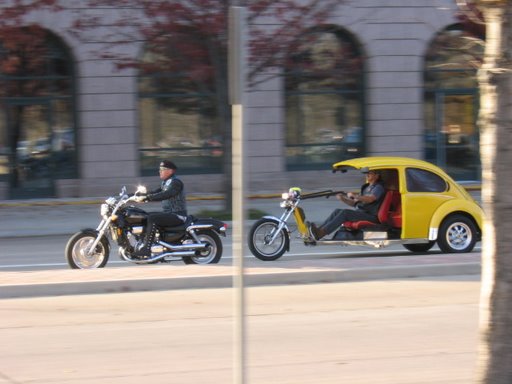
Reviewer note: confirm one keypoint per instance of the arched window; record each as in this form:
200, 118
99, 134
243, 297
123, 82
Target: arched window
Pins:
324, 95
178, 112
451, 102
37, 113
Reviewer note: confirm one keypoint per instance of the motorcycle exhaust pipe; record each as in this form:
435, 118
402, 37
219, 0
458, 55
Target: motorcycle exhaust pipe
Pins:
156, 258
184, 247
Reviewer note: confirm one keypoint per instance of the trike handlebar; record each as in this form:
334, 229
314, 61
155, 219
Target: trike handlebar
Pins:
326, 193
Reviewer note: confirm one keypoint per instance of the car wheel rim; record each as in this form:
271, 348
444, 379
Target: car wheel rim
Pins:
459, 236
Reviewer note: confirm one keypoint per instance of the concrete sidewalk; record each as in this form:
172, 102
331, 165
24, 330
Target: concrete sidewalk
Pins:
20, 218
281, 272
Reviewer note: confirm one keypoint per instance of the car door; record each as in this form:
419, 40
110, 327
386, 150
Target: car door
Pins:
425, 192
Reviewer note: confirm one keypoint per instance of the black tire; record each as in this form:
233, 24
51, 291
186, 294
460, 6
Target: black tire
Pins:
212, 254
419, 248
259, 236
457, 234
77, 247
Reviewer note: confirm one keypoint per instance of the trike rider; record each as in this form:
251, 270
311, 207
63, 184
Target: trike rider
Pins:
366, 206
172, 195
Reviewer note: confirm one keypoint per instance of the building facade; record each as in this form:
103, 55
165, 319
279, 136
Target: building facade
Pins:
391, 78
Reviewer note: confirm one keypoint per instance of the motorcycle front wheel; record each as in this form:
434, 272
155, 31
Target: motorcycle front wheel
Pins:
211, 254
78, 255
259, 240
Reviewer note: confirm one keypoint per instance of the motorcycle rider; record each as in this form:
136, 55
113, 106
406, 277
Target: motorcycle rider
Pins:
172, 195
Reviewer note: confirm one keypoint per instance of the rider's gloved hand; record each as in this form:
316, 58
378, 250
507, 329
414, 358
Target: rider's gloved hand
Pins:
141, 198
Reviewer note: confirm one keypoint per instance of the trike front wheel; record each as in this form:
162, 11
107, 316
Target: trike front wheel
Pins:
260, 240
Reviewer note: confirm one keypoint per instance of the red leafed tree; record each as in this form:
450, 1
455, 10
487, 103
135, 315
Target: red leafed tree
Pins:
22, 54
189, 38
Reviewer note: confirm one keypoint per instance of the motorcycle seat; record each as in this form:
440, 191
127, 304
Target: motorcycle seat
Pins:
176, 228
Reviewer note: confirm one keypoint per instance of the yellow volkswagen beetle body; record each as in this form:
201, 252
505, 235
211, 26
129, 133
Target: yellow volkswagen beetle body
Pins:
429, 207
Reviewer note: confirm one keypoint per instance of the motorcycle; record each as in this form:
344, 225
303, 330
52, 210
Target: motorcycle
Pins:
197, 241
269, 237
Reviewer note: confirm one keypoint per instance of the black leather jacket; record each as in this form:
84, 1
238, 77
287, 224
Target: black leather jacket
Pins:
172, 195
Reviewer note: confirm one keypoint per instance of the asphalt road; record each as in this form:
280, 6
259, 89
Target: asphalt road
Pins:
406, 331
47, 253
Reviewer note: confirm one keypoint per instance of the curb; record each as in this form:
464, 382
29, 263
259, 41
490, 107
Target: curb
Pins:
253, 277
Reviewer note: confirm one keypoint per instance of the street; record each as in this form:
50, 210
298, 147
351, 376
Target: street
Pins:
47, 253
408, 331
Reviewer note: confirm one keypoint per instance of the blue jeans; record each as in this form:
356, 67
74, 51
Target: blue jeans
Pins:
339, 216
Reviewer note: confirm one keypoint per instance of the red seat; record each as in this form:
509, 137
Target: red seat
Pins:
390, 213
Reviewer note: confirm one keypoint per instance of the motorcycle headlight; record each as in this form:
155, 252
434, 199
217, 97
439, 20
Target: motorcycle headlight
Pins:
104, 210
293, 193
111, 201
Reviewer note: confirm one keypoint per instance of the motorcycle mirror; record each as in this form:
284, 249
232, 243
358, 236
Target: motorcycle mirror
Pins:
123, 191
141, 189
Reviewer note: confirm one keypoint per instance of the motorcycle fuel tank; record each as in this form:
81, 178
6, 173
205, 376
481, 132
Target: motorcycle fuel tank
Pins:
135, 215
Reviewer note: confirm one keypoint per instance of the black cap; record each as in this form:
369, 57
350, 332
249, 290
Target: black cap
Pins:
168, 164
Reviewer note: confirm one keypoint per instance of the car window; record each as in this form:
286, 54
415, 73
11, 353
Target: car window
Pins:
419, 180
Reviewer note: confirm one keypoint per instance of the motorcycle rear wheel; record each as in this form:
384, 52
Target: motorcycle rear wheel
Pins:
259, 237
77, 251
213, 252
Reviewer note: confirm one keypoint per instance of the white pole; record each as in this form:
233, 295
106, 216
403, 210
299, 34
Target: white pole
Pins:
236, 87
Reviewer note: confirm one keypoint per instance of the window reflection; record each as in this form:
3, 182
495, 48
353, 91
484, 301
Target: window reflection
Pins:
324, 100
453, 58
451, 102
178, 117
37, 128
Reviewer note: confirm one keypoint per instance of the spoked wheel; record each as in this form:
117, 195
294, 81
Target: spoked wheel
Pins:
79, 254
260, 240
457, 234
211, 254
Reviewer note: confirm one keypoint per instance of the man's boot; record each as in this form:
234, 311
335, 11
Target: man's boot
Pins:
316, 232
144, 250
